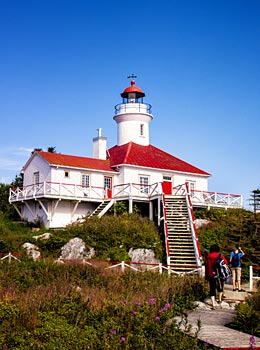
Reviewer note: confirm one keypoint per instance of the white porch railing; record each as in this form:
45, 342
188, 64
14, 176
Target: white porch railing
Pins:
211, 199
121, 266
123, 191
252, 277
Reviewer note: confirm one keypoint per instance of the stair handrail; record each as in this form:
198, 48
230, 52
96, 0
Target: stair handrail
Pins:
106, 208
166, 235
195, 238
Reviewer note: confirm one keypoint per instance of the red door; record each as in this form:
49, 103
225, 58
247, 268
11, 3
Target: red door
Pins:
167, 187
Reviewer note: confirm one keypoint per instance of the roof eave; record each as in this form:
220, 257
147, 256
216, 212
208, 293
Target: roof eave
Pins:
80, 168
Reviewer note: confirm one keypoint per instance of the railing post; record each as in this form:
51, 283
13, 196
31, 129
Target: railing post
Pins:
251, 278
160, 268
122, 266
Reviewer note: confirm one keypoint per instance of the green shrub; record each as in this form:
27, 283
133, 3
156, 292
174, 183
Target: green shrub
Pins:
248, 316
113, 236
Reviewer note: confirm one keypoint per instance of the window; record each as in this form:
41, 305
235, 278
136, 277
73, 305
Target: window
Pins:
66, 173
141, 129
107, 182
131, 97
167, 178
191, 187
36, 178
144, 184
85, 180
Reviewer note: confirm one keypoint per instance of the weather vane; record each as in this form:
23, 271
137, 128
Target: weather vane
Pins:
132, 76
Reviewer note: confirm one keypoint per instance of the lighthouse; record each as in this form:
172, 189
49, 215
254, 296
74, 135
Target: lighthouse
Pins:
133, 117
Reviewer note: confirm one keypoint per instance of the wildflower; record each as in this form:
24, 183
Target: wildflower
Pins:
134, 313
157, 318
252, 342
162, 310
167, 305
122, 339
137, 303
151, 301
113, 331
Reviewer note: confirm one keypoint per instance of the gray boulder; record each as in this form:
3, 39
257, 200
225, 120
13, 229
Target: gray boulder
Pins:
142, 255
76, 249
32, 250
44, 236
201, 222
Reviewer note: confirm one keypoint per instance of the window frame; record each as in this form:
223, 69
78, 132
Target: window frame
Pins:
36, 178
144, 184
191, 187
110, 182
85, 183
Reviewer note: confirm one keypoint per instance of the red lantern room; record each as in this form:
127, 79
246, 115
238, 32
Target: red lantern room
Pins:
133, 94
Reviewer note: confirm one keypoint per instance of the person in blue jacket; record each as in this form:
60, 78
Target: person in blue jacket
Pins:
235, 260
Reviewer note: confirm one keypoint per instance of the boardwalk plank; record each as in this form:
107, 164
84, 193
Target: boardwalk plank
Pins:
213, 330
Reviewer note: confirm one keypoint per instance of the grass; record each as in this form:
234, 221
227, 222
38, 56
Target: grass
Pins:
48, 306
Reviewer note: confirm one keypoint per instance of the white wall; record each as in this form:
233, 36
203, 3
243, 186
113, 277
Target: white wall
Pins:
61, 217
37, 163
131, 174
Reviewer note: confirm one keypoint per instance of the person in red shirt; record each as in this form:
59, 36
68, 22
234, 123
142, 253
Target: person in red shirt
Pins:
211, 275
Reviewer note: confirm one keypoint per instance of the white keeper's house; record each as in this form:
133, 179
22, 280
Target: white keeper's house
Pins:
59, 189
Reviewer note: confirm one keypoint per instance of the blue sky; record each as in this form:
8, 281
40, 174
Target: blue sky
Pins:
64, 63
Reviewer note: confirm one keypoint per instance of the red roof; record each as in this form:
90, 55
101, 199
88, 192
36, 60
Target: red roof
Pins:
131, 154
150, 157
75, 161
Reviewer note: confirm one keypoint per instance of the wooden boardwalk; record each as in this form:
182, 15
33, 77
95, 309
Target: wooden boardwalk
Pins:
213, 330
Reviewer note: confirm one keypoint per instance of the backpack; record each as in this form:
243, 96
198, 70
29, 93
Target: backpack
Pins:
235, 260
222, 269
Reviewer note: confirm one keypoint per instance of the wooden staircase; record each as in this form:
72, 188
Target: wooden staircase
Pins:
102, 208
179, 235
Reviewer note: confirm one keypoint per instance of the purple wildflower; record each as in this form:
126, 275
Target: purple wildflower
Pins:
113, 331
167, 305
252, 342
151, 301
137, 303
122, 339
157, 318
134, 312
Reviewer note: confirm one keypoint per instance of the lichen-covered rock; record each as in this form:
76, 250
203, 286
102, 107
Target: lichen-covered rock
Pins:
44, 236
32, 250
145, 256
76, 249
200, 222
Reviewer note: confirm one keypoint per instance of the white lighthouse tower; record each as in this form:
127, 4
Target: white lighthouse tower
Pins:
133, 117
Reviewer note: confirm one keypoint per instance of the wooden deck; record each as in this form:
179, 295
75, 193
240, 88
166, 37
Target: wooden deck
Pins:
213, 330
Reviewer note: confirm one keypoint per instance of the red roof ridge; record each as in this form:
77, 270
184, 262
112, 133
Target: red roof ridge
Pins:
129, 147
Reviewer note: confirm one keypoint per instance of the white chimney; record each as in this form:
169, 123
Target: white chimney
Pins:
99, 146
